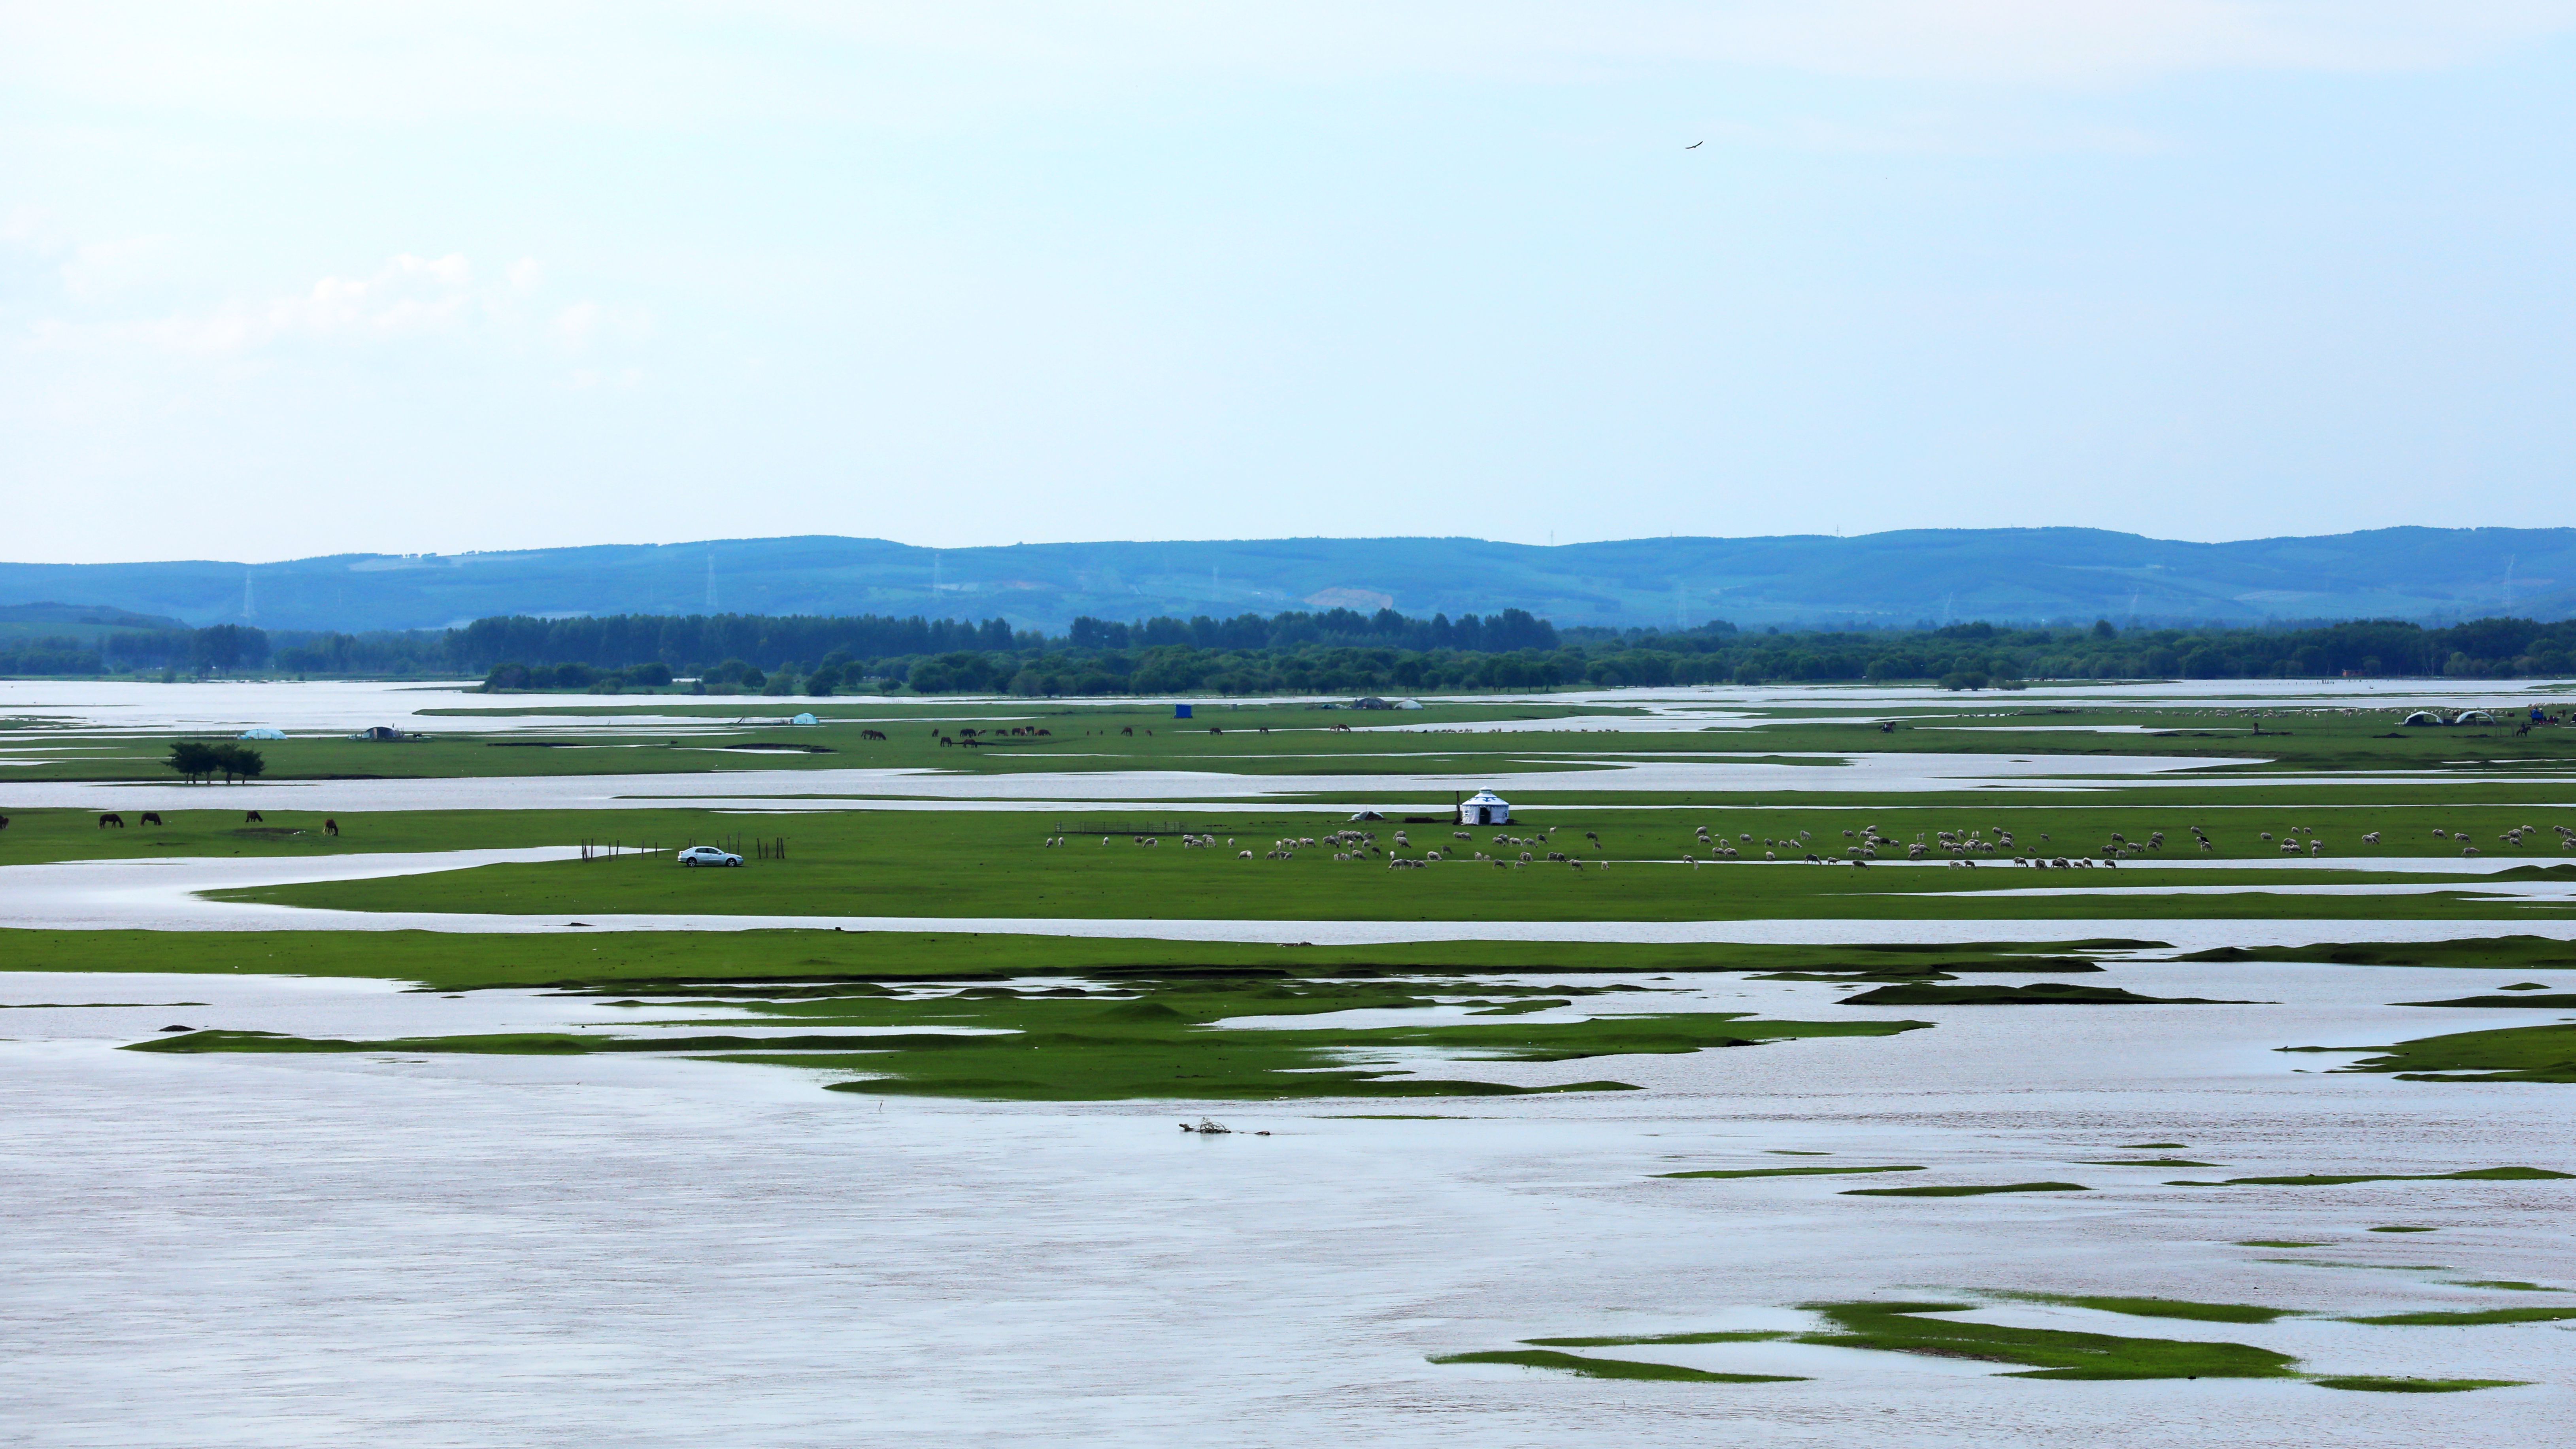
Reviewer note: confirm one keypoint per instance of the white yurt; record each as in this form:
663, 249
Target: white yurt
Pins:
1484, 808
263, 733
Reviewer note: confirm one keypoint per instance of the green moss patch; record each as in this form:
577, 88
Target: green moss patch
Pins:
1609, 1368
1784, 1171
1968, 1190
2338, 1179
2049, 1353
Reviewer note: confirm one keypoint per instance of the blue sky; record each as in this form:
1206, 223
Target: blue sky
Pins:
288, 279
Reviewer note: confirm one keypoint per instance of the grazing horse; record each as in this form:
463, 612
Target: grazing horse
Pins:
330, 827
872, 734
105, 821
151, 817
253, 818
4, 822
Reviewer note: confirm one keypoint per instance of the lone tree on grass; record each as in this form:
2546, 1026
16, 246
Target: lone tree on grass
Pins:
193, 760
197, 760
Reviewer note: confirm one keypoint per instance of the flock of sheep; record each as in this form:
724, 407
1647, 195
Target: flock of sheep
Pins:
1961, 847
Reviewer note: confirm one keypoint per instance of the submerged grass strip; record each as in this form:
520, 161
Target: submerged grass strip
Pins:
1610, 1368
2378, 1384
1970, 1190
1785, 1171
2467, 1317
2049, 1353
1166, 1040
2154, 1307
2339, 1179
1739, 1335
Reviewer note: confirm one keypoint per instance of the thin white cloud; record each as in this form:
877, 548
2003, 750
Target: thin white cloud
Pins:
408, 298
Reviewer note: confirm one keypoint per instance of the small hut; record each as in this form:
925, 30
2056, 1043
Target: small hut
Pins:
1484, 808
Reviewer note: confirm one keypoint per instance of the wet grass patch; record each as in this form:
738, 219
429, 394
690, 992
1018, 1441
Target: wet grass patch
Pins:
1609, 1368
2038, 993
1150, 1039
2508, 1054
2048, 1353
1732, 1335
2380, 1384
2154, 1307
1785, 1171
1968, 1190
2339, 1179
2465, 1318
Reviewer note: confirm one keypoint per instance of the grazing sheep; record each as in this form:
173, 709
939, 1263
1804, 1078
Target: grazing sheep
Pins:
2289, 847
1243, 855
2371, 839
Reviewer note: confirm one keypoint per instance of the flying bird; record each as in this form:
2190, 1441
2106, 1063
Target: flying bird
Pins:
1695, 145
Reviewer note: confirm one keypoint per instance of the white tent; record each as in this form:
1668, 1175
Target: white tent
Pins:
2423, 717
2474, 716
805, 719
263, 733
1485, 808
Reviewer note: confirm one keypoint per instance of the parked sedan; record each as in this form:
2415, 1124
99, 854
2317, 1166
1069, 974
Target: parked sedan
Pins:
707, 855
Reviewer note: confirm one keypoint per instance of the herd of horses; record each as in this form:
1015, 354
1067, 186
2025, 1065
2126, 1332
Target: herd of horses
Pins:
114, 821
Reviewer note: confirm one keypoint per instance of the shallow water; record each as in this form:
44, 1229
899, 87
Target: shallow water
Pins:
386, 1250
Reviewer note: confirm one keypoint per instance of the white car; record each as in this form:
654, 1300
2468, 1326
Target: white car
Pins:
707, 855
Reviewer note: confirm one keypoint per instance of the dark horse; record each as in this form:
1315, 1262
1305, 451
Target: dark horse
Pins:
330, 827
105, 821
151, 817
253, 818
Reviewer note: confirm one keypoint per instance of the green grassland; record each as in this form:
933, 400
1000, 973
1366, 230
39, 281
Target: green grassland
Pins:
708, 960
993, 864
1301, 738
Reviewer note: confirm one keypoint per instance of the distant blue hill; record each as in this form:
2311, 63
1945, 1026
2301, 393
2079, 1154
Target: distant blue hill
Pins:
1902, 578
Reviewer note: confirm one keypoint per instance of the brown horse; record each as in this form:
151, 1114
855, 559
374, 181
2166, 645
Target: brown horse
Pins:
253, 818
105, 821
151, 817
872, 734
330, 827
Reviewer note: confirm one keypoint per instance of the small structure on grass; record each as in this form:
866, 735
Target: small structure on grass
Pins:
1484, 808
263, 733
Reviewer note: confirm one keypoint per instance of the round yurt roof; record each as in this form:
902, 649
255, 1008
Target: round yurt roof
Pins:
1486, 797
